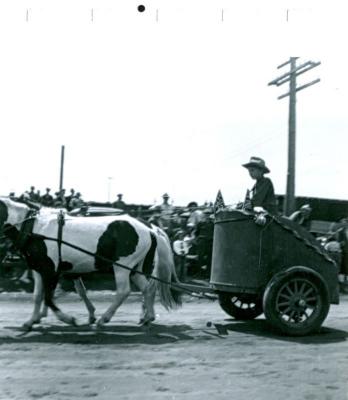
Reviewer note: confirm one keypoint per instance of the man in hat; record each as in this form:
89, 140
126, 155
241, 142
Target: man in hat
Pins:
47, 199
262, 193
119, 203
166, 211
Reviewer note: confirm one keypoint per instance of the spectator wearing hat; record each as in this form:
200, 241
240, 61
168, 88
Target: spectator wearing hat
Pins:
69, 198
196, 215
77, 201
119, 203
34, 196
166, 211
262, 193
47, 198
59, 201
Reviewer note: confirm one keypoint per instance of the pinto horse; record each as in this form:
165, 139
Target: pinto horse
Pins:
55, 243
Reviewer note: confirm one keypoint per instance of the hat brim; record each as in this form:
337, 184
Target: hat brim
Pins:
255, 165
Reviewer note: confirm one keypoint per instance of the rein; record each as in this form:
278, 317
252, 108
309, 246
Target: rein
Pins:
26, 231
176, 287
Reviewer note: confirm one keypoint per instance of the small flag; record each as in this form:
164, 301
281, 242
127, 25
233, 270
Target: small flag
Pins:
219, 202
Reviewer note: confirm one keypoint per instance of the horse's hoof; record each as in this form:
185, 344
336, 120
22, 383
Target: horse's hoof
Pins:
74, 322
27, 327
92, 320
146, 322
101, 323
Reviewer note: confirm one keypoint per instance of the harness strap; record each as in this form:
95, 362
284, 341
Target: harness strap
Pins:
175, 286
26, 229
61, 222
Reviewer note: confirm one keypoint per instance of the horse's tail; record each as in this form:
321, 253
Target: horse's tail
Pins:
165, 271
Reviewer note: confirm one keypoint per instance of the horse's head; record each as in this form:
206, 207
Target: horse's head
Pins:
12, 212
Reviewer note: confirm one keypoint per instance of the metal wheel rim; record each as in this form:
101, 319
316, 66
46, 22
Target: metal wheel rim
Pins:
242, 304
298, 301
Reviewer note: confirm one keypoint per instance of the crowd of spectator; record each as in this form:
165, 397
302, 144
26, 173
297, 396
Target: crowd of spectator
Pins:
59, 200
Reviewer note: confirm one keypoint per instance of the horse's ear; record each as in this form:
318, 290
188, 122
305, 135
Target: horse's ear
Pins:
30, 204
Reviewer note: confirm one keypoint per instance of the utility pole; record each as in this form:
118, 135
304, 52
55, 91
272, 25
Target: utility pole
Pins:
295, 71
61, 168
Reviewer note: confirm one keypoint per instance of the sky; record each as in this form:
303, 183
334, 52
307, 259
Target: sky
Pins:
173, 99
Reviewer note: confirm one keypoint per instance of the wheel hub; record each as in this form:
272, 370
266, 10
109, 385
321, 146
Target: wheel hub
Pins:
298, 303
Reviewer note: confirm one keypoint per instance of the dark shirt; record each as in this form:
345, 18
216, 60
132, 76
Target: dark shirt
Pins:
47, 200
119, 204
263, 195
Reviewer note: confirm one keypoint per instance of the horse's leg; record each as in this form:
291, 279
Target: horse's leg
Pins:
81, 290
37, 299
123, 290
68, 319
142, 287
44, 311
148, 290
50, 280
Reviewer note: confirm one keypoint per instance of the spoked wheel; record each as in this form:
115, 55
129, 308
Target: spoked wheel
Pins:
297, 303
241, 306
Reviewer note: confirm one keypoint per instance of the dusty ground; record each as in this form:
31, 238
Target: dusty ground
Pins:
178, 358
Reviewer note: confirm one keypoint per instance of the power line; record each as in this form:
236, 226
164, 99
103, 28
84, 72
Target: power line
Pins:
251, 145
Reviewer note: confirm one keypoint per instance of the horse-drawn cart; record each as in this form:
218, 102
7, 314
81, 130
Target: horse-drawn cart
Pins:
267, 264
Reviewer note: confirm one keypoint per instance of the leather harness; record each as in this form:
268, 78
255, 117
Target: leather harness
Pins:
26, 231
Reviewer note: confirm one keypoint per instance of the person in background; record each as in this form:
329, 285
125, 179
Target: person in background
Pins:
262, 193
196, 215
119, 203
47, 199
77, 201
59, 201
166, 210
68, 199
339, 234
302, 215
33, 196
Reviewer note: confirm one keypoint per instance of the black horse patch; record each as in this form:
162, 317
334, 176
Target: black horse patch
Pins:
119, 240
3, 213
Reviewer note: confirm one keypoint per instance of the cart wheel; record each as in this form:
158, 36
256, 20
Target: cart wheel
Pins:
296, 303
241, 306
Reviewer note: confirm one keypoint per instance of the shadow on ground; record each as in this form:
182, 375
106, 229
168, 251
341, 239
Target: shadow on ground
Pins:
159, 334
112, 334
262, 328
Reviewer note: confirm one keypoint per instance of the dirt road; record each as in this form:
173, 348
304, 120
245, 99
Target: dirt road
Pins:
179, 357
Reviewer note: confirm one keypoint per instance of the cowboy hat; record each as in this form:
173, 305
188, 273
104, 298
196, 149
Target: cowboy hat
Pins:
257, 162
166, 196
